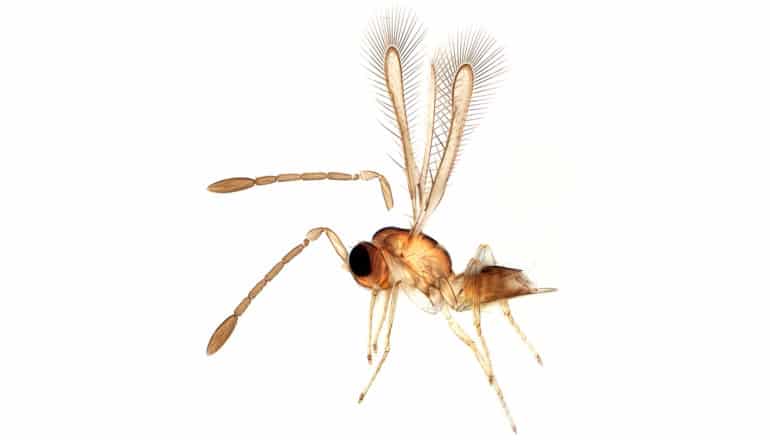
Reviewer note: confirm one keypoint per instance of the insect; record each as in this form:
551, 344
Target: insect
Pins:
461, 79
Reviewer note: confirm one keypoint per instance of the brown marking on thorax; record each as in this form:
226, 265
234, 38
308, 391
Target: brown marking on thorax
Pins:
422, 258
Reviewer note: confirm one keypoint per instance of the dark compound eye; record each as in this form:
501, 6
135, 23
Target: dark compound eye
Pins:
360, 263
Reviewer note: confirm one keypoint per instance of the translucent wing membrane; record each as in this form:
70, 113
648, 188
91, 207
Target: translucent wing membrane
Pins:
466, 73
393, 56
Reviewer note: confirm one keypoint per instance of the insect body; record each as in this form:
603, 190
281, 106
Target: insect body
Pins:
399, 261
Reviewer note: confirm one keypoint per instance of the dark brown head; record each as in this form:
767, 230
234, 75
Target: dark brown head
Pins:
367, 264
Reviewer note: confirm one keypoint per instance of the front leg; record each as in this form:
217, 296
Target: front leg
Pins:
390, 309
369, 338
372, 341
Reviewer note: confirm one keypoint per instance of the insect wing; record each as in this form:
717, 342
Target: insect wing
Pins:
467, 72
393, 55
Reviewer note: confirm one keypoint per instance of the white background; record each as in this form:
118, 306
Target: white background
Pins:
624, 162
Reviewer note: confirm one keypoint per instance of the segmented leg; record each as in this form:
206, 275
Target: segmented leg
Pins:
492, 379
240, 183
381, 321
477, 325
485, 362
225, 329
372, 302
458, 330
391, 311
507, 313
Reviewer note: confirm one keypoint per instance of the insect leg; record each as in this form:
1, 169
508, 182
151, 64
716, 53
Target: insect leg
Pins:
391, 311
225, 329
484, 257
373, 301
477, 325
507, 313
492, 379
380, 323
455, 326
234, 184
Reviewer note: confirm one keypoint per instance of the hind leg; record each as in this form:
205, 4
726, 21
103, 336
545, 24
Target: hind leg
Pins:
484, 257
507, 313
485, 362
460, 333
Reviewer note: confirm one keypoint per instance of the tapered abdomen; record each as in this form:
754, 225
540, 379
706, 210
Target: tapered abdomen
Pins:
494, 283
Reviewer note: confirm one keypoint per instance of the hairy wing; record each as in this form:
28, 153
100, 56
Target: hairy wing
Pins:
393, 53
464, 76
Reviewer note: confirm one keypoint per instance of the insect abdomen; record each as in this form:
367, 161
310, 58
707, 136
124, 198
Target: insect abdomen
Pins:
494, 283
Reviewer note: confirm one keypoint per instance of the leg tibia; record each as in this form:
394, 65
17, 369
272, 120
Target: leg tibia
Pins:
524, 339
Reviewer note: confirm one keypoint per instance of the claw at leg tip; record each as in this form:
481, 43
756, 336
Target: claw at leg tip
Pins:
361, 398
